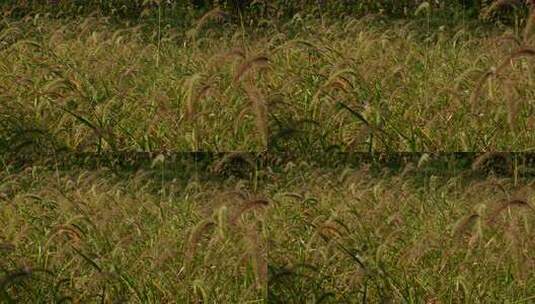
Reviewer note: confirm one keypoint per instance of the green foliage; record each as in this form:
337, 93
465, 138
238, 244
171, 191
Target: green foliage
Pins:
170, 232
345, 216
271, 8
309, 84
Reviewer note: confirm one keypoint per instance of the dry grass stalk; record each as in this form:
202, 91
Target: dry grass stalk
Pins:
245, 67
476, 94
250, 205
258, 254
329, 228
73, 234
190, 84
512, 105
260, 111
194, 239
214, 14
508, 204
192, 95
523, 52
465, 224
496, 6
218, 59
239, 119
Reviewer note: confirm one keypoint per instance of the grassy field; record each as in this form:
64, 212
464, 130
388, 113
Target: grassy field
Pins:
90, 84
179, 232
350, 236
107, 196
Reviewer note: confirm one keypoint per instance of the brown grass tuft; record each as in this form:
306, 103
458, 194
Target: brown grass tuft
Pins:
465, 224
476, 94
194, 239
191, 95
258, 255
253, 204
214, 14
218, 59
520, 203
496, 6
245, 67
512, 105
327, 229
260, 111
523, 52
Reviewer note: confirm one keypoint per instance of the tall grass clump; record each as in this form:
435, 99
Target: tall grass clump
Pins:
96, 84
362, 235
132, 236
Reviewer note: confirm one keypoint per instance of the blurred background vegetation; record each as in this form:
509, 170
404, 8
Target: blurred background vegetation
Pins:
250, 10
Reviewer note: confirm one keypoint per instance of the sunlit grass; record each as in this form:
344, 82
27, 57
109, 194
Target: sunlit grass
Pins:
352, 85
291, 234
97, 236
271, 227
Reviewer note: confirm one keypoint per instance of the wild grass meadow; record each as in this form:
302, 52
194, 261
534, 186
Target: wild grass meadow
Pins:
267, 152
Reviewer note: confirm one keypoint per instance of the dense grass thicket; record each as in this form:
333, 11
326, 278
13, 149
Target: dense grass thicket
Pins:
94, 236
296, 233
267, 151
251, 9
92, 85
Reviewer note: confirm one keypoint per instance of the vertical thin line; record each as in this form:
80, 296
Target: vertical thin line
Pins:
159, 33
